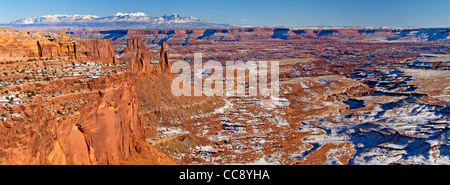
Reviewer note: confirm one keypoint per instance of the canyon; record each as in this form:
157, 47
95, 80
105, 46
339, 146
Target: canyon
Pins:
347, 96
80, 112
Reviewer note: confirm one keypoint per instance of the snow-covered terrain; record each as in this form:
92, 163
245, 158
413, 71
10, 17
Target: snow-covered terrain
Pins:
58, 18
124, 20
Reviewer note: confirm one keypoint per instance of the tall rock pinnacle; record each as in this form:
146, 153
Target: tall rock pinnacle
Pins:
164, 62
136, 51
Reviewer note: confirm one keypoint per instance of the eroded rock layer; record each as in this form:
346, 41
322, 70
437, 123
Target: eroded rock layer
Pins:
62, 110
25, 44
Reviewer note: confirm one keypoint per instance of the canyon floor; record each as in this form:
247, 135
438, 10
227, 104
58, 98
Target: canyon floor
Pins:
105, 98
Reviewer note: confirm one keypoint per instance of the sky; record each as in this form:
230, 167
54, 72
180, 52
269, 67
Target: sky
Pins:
292, 13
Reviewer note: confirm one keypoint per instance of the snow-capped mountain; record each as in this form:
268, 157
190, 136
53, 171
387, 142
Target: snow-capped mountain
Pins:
53, 19
175, 18
126, 17
119, 20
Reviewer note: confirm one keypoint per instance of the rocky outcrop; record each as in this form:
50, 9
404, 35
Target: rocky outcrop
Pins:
357, 90
14, 44
79, 120
98, 50
142, 63
164, 63
137, 54
49, 49
106, 129
134, 50
134, 43
25, 44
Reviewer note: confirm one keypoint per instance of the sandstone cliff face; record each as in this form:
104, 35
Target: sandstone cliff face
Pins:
136, 50
49, 49
137, 54
164, 63
21, 44
12, 45
134, 43
100, 50
142, 63
106, 130
142, 60
26, 143
78, 120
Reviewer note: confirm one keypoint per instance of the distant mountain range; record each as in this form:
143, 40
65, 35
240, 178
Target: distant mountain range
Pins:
120, 20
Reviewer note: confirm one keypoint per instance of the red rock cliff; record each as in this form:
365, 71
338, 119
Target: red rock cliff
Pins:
137, 54
26, 44
135, 43
106, 129
99, 50
78, 120
164, 63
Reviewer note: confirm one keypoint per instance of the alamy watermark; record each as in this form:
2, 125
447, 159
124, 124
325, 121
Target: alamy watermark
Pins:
235, 78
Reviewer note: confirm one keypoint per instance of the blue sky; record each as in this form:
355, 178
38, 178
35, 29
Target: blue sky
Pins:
423, 13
